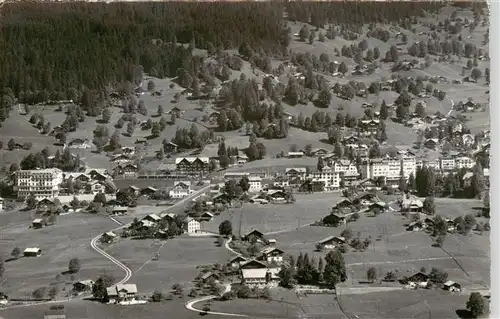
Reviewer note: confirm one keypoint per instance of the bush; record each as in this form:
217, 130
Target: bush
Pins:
230, 295
157, 296
243, 292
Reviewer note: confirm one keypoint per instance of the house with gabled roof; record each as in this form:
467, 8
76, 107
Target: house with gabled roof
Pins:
296, 172
253, 264
152, 218
236, 262
180, 189
254, 236
272, 255
331, 242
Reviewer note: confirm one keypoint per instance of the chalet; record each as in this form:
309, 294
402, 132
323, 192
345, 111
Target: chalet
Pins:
127, 170
128, 150
114, 202
120, 158
412, 205
206, 216
281, 181
350, 140
152, 218
254, 236
276, 195
236, 262
170, 147
32, 252
344, 203
83, 285
122, 292
192, 165
451, 225
209, 276
79, 143
145, 224
452, 286
331, 242
119, 210
431, 143
169, 217
296, 172
260, 277
181, 189
191, 225
416, 226
141, 141
318, 152
272, 254
108, 237
148, 191
241, 159
467, 140
253, 264
97, 174
369, 127
177, 111
295, 154
419, 280
377, 207
415, 123
221, 198
339, 218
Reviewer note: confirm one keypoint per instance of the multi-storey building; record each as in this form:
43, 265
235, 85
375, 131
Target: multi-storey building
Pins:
447, 164
43, 183
328, 177
391, 169
431, 163
464, 162
192, 165
369, 127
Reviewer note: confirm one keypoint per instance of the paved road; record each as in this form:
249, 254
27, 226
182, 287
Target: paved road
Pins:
93, 244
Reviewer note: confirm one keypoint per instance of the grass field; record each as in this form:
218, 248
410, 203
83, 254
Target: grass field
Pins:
273, 218
69, 238
93, 310
177, 261
404, 304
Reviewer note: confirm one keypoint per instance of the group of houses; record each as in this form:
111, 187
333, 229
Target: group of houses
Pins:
52, 182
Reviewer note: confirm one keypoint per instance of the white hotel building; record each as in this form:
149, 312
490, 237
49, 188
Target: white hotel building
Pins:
390, 169
42, 183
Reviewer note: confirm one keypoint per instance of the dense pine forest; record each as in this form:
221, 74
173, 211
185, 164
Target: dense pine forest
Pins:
54, 51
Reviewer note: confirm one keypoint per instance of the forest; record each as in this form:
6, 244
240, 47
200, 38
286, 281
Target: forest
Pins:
55, 51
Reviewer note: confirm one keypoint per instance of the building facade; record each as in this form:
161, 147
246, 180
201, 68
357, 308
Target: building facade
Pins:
43, 183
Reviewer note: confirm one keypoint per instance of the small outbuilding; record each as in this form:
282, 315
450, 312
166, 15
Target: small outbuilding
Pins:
32, 252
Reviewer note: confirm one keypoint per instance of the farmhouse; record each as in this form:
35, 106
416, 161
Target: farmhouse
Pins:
331, 242
169, 217
38, 223
242, 159
431, 143
208, 276
452, 286
108, 237
412, 205
83, 285
369, 127
32, 252
181, 189
127, 170
253, 264
338, 218
170, 147
260, 277
318, 152
419, 279
206, 216
152, 218
416, 226
344, 203
148, 191
191, 225
254, 236
236, 262
122, 292
120, 158
272, 254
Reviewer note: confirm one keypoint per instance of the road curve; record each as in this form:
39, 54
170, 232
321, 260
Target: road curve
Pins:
128, 272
